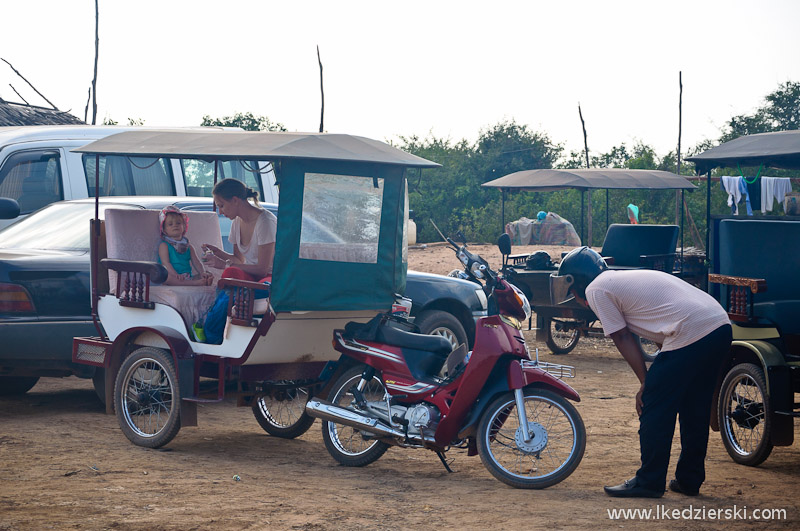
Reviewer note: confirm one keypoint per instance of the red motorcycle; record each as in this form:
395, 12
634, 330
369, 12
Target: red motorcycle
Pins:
399, 388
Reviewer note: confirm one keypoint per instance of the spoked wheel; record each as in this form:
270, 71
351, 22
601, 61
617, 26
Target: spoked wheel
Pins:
554, 451
147, 399
562, 335
283, 413
349, 446
649, 348
744, 422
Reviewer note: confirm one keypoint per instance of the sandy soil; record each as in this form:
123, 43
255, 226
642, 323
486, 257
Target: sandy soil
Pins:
64, 464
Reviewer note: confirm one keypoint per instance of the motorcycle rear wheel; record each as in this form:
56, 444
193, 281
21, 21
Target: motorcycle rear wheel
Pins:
554, 452
561, 338
349, 446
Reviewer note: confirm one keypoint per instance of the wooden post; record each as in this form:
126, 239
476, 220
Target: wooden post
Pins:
322, 94
96, 53
588, 190
679, 196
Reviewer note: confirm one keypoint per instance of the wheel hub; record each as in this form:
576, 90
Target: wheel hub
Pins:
538, 435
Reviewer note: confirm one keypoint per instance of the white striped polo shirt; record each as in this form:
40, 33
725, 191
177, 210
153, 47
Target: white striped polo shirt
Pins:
654, 305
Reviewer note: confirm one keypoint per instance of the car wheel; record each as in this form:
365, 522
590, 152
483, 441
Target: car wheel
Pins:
439, 323
16, 385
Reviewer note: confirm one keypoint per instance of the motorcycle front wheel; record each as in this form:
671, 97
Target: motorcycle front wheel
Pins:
349, 446
555, 448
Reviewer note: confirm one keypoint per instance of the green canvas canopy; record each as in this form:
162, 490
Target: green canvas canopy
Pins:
341, 216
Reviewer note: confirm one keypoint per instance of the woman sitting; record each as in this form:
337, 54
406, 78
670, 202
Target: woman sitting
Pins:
252, 234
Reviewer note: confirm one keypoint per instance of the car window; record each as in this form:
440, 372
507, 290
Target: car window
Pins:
123, 175
58, 227
198, 175
33, 178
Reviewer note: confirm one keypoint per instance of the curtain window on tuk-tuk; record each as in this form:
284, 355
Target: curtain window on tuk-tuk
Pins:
122, 175
341, 218
198, 175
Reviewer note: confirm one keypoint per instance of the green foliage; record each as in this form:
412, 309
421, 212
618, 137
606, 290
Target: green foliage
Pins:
780, 112
131, 121
452, 195
246, 120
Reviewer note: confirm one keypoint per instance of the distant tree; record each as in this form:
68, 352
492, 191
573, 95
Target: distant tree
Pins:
246, 120
780, 112
131, 121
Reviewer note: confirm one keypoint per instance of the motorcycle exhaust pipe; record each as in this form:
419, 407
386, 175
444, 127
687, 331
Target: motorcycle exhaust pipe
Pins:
325, 410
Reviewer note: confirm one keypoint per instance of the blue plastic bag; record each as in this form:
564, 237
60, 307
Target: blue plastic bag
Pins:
214, 325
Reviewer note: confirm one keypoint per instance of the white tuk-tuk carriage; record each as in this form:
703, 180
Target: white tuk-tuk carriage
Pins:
340, 256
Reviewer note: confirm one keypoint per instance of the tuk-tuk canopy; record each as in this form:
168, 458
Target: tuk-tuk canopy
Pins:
775, 150
341, 241
548, 180
252, 145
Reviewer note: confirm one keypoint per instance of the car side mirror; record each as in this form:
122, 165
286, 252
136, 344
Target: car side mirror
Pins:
9, 208
504, 244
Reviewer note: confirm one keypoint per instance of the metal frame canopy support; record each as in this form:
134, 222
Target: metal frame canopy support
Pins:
550, 180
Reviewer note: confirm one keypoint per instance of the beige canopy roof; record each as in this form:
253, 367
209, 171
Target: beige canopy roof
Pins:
547, 180
252, 145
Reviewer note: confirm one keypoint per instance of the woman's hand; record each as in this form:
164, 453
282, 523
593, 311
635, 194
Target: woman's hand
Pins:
213, 249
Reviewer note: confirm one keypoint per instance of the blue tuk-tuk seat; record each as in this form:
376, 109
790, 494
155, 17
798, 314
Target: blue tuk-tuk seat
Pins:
768, 250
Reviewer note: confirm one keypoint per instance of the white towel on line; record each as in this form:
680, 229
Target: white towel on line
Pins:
731, 185
773, 188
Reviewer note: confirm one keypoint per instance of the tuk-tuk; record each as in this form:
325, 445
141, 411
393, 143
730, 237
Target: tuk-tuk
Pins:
340, 256
754, 264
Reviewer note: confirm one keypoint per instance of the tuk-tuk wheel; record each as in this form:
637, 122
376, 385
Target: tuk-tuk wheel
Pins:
562, 335
147, 398
744, 420
284, 414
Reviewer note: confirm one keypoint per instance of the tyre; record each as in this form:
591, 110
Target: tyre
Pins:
147, 398
16, 385
439, 323
744, 420
283, 413
562, 337
556, 449
349, 446
649, 349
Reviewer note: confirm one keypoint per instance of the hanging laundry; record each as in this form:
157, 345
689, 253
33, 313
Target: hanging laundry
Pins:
730, 183
746, 194
773, 188
754, 191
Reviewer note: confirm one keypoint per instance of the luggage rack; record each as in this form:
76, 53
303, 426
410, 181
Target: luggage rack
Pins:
556, 369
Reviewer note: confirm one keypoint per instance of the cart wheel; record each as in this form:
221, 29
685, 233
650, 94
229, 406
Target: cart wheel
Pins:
560, 338
283, 413
744, 422
649, 348
147, 399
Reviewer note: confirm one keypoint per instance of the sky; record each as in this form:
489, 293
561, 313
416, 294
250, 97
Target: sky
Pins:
443, 68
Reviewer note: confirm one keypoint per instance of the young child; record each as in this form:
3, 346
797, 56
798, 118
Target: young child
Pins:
176, 254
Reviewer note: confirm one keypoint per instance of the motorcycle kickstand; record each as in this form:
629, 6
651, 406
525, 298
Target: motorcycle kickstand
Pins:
444, 461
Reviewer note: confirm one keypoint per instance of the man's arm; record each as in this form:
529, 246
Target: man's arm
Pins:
631, 350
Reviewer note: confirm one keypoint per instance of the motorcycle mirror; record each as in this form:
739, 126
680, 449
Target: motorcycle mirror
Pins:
504, 244
9, 208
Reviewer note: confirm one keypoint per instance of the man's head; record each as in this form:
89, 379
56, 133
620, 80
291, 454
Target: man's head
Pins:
576, 271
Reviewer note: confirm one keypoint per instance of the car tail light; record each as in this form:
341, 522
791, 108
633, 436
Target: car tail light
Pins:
15, 299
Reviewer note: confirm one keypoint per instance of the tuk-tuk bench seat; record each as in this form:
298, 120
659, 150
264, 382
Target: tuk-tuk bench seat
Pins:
641, 246
767, 250
134, 235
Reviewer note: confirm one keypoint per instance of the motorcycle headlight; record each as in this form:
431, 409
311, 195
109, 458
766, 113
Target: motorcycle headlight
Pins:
523, 301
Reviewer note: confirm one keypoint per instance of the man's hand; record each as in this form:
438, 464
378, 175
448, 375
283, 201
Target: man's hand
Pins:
639, 403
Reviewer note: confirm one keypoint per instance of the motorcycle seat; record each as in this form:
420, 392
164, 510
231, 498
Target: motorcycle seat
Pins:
435, 344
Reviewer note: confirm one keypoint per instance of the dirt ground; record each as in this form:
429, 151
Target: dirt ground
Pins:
64, 464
